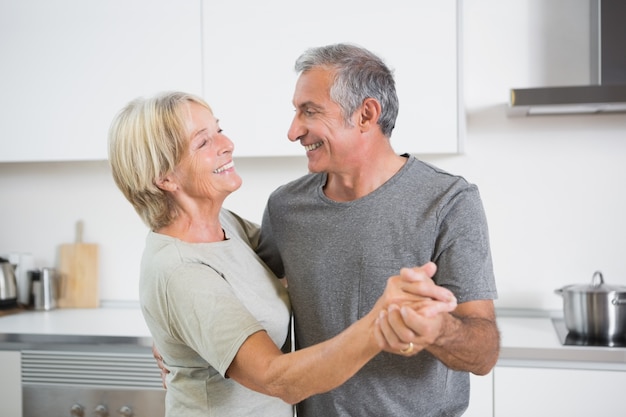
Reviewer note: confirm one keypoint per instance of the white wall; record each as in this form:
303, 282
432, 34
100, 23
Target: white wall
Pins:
552, 186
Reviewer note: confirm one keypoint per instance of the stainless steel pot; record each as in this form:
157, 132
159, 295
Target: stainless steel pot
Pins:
596, 311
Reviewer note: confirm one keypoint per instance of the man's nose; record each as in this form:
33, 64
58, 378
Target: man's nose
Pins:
296, 130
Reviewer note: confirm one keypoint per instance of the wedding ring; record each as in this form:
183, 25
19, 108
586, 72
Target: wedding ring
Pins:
409, 349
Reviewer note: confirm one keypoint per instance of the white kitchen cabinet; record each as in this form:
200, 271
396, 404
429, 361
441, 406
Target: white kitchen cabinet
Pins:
10, 383
481, 396
250, 48
69, 65
527, 392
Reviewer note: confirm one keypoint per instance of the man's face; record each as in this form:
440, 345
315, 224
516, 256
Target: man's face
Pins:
319, 124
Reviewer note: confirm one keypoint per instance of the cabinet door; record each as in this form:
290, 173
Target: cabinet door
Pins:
250, 48
481, 396
527, 392
10, 383
69, 65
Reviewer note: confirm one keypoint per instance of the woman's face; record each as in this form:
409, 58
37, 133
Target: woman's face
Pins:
206, 172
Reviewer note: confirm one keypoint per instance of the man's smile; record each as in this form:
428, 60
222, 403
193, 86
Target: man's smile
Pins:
312, 146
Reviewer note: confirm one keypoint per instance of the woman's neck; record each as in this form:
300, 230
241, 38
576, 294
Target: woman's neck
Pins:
195, 227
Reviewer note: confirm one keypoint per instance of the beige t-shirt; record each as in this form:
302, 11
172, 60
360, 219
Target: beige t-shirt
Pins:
201, 301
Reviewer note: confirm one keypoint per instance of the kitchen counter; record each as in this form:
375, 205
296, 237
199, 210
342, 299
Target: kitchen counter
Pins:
526, 341
533, 341
531, 351
101, 326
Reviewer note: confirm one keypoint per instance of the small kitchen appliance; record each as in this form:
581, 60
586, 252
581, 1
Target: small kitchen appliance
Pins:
24, 262
8, 284
45, 289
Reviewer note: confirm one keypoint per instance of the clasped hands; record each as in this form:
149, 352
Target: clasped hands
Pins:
412, 311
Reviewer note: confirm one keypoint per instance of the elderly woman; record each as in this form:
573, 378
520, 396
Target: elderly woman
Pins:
217, 315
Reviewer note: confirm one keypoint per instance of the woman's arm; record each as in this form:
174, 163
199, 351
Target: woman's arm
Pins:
261, 366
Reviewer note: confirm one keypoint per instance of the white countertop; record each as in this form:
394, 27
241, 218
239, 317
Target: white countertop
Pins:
526, 341
116, 322
533, 341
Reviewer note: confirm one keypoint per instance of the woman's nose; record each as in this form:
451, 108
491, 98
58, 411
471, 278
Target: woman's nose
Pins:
226, 145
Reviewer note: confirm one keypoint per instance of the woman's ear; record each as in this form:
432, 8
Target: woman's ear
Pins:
166, 183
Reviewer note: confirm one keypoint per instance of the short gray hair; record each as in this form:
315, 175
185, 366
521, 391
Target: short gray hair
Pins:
359, 74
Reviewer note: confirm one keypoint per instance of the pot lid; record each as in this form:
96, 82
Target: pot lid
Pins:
597, 286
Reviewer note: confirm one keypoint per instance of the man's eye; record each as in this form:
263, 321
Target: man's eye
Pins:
309, 112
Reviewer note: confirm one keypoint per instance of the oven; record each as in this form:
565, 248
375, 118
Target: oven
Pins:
96, 380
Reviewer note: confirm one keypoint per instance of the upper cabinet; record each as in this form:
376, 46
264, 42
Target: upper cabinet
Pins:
250, 48
69, 65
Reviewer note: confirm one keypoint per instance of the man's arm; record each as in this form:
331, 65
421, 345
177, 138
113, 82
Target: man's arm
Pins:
466, 339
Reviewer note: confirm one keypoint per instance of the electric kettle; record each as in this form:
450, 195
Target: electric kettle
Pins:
8, 285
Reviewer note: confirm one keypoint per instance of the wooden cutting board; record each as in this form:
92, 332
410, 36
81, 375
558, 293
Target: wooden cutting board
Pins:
78, 273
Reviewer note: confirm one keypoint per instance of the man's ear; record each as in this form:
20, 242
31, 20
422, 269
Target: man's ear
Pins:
370, 112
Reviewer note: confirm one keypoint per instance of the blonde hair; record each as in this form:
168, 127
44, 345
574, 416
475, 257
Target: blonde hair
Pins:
147, 139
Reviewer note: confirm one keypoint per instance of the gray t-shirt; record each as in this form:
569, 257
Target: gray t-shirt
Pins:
337, 258
201, 301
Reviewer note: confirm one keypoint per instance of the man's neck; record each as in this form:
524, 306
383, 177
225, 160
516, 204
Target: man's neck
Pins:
361, 180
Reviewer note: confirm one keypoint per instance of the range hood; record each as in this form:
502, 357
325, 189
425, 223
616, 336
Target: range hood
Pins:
606, 92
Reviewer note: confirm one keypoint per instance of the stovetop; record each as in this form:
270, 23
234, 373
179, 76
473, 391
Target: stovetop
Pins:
568, 338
